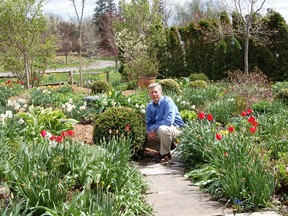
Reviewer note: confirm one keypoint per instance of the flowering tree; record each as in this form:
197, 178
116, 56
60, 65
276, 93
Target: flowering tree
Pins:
27, 45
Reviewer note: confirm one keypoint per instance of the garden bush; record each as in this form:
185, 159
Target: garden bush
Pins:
100, 86
121, 121
198, 84
170, 85
283, 95
262, 106
199, 76
188, 115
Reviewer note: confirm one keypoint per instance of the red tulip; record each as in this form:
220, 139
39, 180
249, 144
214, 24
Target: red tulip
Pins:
230, 129
253, 130
70, 132
201, 115
249, 111
251, 119
243, 113
209, 117
59, 139
64, 133
218, 136
43, 133
53, 137
255, 123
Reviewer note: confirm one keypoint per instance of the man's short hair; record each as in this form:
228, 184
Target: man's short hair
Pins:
153, 85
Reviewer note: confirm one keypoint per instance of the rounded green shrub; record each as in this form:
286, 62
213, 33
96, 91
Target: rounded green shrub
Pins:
199, 76
198, 84
283, 95
262, 106
100, 86
120, 121
170, 85
188, 115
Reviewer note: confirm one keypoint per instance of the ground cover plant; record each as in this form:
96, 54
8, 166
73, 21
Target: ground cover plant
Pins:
234, 146
48, 172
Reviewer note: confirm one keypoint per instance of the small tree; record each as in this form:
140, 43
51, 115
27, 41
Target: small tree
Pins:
26, 43
249, 23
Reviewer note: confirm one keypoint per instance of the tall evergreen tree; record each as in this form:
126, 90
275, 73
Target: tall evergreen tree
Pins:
105, 12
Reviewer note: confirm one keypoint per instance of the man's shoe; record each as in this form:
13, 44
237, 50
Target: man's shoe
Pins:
173, 146
165, 158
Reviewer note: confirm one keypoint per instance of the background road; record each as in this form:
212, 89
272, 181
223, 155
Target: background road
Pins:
94, 65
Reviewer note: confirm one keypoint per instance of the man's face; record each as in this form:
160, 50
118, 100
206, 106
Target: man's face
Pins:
155, 94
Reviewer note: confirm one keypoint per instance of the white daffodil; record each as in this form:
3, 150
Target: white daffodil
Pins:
9, 114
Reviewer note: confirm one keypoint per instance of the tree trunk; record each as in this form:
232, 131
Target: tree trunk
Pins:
246, 52
26, 68
80, 56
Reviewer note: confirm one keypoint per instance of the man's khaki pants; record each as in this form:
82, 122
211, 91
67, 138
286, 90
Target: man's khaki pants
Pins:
167, 135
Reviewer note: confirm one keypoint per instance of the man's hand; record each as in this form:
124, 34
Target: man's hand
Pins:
152, 135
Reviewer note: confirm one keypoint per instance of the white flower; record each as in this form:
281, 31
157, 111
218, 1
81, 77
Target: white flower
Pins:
113, 103
10, 103
2, 117
129, 100
9, 114
82, 107
143, 110
193, 107
136, 105
17, 106
22, 101
70, 100
21, 121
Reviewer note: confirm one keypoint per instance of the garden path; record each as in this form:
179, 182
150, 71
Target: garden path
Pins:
171, 193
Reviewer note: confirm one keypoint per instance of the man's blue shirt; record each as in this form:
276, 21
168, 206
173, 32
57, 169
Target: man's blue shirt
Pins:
163, 113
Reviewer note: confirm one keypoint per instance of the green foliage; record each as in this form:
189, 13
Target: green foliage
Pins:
170, 85
263, 106
37, 119
141, 65
73, 179
29, 45
188, 115
281, 172
123, 121
237, 172
198, 76
100, 86
198, 84
283, 96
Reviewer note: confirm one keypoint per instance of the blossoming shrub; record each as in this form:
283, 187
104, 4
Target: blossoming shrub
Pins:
121, 121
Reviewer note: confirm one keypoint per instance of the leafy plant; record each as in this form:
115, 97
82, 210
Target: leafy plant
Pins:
123, 121
198, 76
198, 84
100, 86
170, 85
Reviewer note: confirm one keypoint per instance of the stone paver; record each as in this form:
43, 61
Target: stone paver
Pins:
171, 194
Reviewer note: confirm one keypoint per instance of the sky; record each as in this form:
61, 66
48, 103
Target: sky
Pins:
65, 9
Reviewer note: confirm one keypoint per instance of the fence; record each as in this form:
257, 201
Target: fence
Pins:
69, 72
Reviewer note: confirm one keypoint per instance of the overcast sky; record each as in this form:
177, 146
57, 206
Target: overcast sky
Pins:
65, 9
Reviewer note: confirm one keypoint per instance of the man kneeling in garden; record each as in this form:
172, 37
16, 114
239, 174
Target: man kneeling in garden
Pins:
163, 120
